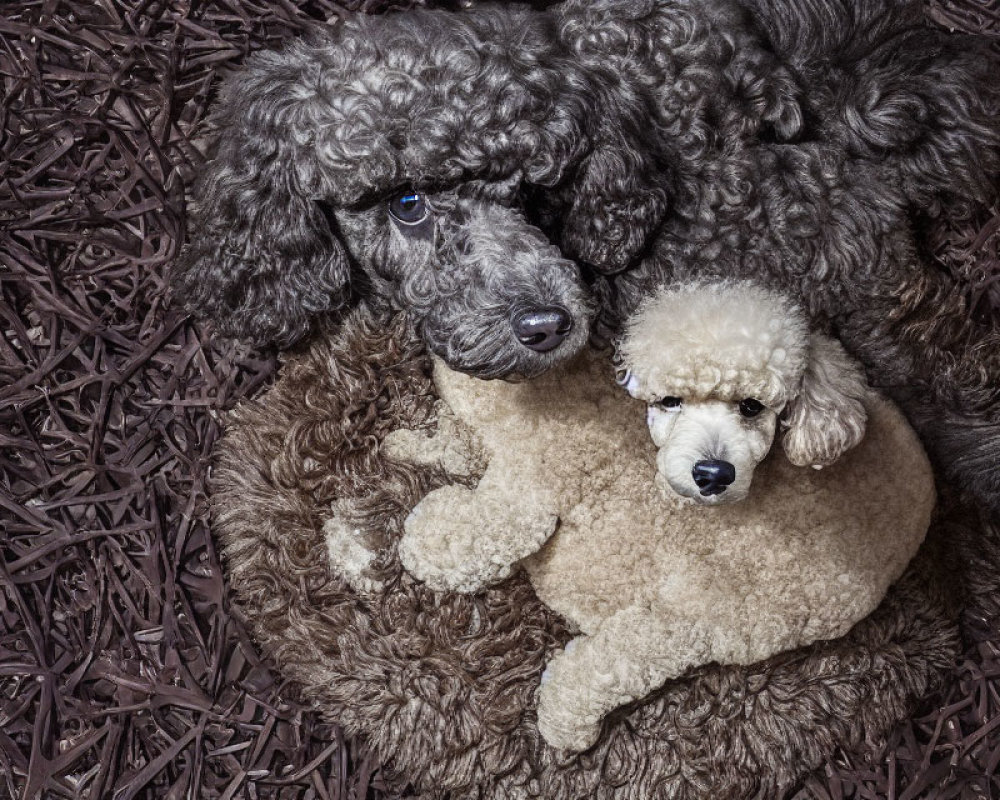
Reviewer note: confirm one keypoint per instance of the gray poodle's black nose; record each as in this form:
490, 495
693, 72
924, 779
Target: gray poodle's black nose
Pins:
713, 476
542, 329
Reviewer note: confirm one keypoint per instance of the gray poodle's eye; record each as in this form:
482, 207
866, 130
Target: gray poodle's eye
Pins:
408, 207
668, 403
750, 407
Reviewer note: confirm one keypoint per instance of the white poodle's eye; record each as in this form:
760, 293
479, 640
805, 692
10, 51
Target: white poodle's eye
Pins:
408, 207
668, 403
750, 407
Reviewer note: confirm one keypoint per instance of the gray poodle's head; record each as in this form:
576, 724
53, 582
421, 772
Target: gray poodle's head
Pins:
488, 292
390, 157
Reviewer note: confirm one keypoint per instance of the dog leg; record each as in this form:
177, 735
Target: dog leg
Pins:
463, 539
453, 446
632, 654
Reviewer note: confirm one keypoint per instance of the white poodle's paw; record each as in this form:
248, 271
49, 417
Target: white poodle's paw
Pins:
570, 647
560, 727
452, 446
442, 567
349, 557
463, 539
441, 543
572, 738
565, 718
412, 447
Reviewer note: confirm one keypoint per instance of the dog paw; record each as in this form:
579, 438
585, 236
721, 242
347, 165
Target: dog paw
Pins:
411, 447
560, 725
572, 738
350, 559
571, 645
442, 568
453, 447
566, 719
442, 543
462, 539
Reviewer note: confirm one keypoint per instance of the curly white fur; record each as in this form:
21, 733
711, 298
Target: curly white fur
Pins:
722, 340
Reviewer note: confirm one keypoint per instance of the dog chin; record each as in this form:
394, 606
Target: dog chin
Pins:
533, 367
724, 499
691, 494
513, 362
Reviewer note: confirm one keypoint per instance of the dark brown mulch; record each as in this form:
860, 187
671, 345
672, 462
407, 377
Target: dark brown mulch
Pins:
122, 672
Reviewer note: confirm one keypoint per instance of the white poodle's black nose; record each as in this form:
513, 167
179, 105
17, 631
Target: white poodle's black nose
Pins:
713, 476
542, 329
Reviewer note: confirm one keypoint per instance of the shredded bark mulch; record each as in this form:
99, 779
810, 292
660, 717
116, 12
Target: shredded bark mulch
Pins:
123, 673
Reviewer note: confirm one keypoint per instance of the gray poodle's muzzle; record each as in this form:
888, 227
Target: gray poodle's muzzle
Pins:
490, 294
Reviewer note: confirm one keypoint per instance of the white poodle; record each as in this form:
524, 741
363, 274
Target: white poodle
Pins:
654, 582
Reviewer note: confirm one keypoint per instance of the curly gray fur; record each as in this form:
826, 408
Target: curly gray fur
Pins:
463, 107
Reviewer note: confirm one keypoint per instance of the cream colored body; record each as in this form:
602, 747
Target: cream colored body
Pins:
656, 584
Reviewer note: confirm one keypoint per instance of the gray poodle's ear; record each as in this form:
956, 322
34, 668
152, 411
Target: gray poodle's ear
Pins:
827, 417
618, 193
261, 260
613, 207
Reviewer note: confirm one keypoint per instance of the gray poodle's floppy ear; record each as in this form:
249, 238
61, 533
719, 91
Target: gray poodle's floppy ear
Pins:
261, 260
616, 197
613, 205
827, 417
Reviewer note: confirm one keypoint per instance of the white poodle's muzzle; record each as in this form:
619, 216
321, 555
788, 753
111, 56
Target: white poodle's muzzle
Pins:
707, 450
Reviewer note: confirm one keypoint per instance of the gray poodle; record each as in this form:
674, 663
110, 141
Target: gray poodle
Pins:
434, 161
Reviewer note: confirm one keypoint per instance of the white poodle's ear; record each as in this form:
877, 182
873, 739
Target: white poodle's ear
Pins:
827, 417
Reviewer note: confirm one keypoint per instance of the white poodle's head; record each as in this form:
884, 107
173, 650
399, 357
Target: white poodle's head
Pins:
720, 365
